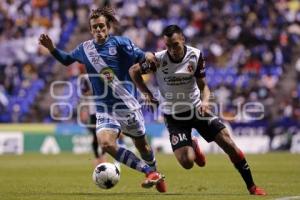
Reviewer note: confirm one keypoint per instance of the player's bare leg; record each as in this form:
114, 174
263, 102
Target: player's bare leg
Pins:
185, 156
107, 140
145, 151
147, 155
237, 157
100, 157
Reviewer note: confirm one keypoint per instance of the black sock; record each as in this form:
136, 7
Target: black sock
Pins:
95, 146
244, 169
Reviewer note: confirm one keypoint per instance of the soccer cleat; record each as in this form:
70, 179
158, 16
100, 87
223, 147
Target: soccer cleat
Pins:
154, 178
200, 157
161, 186
254, 190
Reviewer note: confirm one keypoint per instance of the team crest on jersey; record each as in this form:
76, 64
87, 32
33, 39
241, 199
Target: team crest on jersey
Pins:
107, 74
190, 68
112, 51
174, 139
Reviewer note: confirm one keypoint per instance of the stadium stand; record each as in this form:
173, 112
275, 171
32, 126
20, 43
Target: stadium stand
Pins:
247, 58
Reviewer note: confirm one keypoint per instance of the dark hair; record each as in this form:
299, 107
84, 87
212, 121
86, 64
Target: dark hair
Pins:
171, 29
107, 12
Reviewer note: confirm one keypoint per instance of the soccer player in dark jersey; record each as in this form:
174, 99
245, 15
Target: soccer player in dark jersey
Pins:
107, 59
180, 77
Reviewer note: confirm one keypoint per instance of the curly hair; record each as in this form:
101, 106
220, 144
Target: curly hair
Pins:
107, 12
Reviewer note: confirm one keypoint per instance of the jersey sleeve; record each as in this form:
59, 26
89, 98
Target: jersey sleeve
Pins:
130, 50
69, 58
201, 69
85, 85
78, 53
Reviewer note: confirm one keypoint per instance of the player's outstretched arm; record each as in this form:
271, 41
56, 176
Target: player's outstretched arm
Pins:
46, 41
202, 85
205, 94
136, 72
62, 56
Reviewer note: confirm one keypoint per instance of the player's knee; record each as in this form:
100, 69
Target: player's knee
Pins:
226, 143
185, 156
107, 145
186, 163
107, 141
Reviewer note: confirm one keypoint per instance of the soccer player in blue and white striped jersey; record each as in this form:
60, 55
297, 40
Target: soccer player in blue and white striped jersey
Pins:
107, 60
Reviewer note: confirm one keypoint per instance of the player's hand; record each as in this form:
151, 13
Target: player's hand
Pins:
46, 41
150, 103
152, 61
203, 108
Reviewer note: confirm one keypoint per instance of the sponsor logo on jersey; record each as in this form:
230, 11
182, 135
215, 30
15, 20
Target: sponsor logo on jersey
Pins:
112, 51
165, 71
107, 74
165, 63
173, 80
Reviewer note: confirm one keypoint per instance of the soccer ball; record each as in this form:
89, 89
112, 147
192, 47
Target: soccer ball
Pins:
106, 175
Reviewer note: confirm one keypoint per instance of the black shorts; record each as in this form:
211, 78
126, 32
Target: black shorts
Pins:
180, 127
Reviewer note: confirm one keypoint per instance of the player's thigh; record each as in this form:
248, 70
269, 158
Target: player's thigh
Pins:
179, 132
208, 126
107, 129
107, 136
132, 123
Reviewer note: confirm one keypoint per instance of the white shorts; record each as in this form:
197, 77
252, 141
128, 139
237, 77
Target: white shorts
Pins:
130, 123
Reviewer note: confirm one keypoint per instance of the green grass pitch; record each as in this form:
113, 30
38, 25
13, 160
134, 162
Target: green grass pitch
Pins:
68, 177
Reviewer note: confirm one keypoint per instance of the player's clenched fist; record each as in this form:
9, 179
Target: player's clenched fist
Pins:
46, 41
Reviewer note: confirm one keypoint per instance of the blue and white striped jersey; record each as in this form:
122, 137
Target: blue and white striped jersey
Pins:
117, 55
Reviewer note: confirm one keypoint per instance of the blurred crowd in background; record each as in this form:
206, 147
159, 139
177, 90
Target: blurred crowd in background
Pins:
251, 47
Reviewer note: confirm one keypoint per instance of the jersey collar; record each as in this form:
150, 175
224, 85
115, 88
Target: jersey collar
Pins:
108, 37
